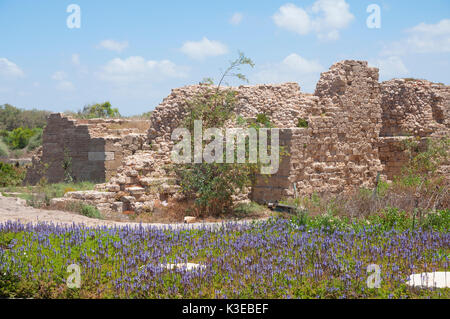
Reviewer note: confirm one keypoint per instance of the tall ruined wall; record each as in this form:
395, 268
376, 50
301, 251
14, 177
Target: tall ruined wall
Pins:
338, 151
95, 148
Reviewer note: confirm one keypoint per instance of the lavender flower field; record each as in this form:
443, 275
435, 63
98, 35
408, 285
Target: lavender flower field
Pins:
272, 259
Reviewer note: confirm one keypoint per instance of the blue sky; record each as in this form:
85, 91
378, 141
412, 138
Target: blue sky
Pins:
133, 53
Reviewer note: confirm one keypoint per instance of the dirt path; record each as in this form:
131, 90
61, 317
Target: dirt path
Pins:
15, 209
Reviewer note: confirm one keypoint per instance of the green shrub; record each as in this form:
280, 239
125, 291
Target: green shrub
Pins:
20, 137
11, 175
439, 220
263, 119
302, 123
35, 140
212, 185
90, 211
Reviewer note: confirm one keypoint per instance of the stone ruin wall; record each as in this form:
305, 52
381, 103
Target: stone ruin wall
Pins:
411, 108
414, 107
356, 130
95, 147
338, 151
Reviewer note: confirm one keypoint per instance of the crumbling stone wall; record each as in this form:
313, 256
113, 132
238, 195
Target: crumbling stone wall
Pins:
356, 130
338, 151
411, 108
95, 148
414, 107
283, 103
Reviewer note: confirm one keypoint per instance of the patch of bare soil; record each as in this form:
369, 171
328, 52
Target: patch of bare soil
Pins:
15, 209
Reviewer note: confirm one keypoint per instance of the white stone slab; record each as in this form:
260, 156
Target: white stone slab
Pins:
439, 279
101, 156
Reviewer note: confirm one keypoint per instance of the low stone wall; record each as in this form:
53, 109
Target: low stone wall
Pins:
91, 149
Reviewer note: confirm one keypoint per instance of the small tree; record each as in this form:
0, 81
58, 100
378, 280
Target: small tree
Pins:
212, 185
67, 166
104, 110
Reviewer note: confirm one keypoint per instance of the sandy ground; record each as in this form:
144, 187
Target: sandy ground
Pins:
15, 209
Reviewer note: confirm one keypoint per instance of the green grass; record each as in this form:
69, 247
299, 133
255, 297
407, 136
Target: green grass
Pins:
248, 208
85, 210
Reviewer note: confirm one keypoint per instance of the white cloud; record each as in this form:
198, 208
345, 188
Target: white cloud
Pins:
62, 83
325, 18
440, 28
113, 45
301, 65
292, 18
423, 38
59, 76
391, 67
204, 48
293, 68
10, 69
65, 86
76, 59
136, 68
236, 18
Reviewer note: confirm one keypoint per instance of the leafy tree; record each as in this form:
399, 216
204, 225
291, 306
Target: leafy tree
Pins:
12, 117
19, 137
104, 110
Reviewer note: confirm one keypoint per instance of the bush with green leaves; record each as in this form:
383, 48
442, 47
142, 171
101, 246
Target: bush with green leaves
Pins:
20, 137
212, 185
10, 175
263, 120
302, 123
90, 211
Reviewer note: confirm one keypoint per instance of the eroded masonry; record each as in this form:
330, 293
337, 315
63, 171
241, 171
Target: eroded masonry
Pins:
356, 128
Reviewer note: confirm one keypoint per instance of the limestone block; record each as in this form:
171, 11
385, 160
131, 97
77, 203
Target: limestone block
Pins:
100, 156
